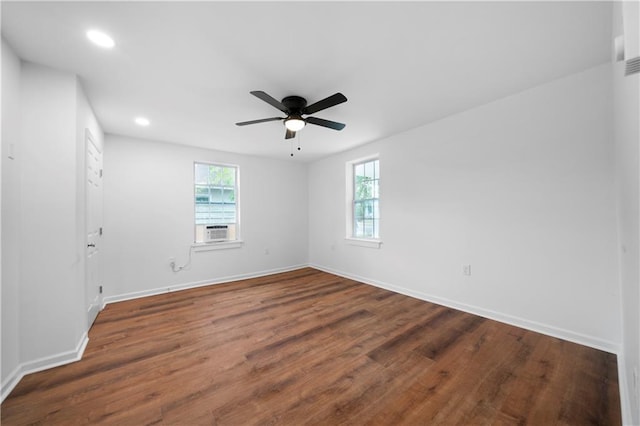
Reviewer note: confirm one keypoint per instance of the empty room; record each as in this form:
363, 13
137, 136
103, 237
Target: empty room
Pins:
390, 213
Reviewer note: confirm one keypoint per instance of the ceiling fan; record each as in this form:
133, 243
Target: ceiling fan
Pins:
295, 107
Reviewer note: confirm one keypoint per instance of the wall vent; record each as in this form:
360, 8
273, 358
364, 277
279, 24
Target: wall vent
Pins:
632, 66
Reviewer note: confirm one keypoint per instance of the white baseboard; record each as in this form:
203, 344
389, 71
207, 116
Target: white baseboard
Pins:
560, 333
11, 381
548, 330
42, 364
195, 284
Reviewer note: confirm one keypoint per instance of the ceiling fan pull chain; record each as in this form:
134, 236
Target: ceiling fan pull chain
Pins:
291, 144
298, 134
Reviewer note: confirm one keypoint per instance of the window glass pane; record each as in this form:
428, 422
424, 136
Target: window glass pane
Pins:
228, 176
220, 176
358, 210
201, 174
215, 194
357, 190
368, 209
358, 228
202, 194
214, 175
363, 189
229, 195
358, 171
215, 198
366, 192
202, 190
368, 228
368, 170
369, 189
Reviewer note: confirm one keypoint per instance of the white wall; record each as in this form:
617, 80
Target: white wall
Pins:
148, 198
626, 110
521, 189
10, 213
48, 259
45, 320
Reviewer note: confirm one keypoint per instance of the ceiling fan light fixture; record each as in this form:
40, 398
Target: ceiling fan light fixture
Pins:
294, 123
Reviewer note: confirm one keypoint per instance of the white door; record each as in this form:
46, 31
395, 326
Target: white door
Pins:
93, 274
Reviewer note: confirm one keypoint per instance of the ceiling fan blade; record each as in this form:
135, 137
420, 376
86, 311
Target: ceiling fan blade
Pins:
325, 123
262, 120
332, 100
289, 134
270, 100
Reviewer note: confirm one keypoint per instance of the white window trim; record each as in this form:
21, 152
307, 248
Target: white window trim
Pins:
223, 244
349, 238
361, 242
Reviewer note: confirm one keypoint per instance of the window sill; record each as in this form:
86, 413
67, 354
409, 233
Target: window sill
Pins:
360, 242
223, 245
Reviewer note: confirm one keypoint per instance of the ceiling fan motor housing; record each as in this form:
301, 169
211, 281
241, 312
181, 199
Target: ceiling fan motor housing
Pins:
294, 104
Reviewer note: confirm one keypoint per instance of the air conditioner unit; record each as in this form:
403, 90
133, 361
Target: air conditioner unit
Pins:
213, 233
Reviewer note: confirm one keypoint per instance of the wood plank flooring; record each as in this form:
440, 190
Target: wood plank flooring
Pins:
307, 347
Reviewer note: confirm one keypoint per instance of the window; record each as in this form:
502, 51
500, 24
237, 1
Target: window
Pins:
365, 209
216, 202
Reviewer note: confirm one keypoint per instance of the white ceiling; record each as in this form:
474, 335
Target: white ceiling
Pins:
189, 67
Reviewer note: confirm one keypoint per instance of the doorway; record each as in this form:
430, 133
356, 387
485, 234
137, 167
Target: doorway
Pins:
93, 220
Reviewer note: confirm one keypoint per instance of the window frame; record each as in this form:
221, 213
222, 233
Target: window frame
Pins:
231, 243
350, 237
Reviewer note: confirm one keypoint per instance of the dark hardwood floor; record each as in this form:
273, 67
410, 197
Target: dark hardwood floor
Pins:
307, 347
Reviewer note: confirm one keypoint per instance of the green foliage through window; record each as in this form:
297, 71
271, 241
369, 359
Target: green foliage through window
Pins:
366, 211
215, 194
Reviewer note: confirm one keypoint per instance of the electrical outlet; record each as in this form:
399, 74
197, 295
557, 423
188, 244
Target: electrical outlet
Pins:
172, 261
466, 269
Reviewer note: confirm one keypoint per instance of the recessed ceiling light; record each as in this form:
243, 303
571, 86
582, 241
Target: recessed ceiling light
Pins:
101, 39
142, 121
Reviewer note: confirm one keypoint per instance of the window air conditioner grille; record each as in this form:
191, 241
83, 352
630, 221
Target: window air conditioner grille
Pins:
632, 66
216, 233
